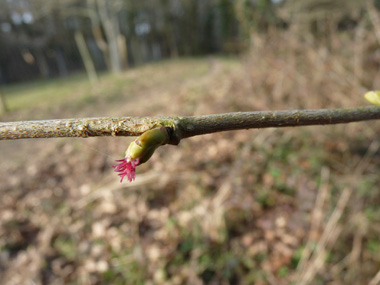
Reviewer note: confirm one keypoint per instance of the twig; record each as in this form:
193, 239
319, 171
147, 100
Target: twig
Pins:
81, 127
329, 237
183, 127
316, 220
375, 280
375, 20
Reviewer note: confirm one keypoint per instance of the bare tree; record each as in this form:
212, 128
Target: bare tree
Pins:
108, 15
86, 57
3, 104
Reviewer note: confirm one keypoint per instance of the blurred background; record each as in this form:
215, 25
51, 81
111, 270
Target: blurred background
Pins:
270, 206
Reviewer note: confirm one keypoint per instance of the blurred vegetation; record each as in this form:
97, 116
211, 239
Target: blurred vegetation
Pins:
273, 206
42, 39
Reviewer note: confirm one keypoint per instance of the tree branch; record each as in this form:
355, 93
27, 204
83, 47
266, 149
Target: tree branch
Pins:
193, 126
183, 127
81, 127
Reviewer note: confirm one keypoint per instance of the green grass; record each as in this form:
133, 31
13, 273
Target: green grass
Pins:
66, 247
43, 92
76, 89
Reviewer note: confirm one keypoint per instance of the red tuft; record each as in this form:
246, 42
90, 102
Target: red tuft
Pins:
126, 168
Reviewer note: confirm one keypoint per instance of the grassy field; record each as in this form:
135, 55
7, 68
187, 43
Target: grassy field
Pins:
271, 206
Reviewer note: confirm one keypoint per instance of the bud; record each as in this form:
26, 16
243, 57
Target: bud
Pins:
144, 146
373, 97
140, 150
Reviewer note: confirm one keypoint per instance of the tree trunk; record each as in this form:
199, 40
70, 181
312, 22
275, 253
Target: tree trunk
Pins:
111, 28
122, 42
86, 57
98, 34
169, 30
61, 63
102, 44
3, 104
42, 63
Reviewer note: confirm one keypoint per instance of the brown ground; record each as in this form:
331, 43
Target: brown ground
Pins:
259, 206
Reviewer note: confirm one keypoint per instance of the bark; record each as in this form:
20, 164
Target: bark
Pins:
61, 62
199, 125
83, 127
3, 103
97, 32
169, 29
184, 127
42, 63
111, 29
86, 58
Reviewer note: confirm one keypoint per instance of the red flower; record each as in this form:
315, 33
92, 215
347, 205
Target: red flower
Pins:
140, 150
126, 167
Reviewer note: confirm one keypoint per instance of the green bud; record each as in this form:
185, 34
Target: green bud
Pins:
373, 97
144, 146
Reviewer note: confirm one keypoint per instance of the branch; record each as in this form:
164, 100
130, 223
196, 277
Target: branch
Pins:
183, 127
81, 127
193, 126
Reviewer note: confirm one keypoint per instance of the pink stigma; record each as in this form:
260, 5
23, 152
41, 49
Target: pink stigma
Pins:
126, 168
